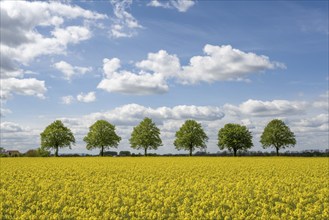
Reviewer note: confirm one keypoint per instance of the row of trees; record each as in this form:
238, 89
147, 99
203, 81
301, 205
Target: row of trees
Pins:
190, 136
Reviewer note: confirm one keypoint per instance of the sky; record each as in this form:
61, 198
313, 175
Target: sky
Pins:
215, 62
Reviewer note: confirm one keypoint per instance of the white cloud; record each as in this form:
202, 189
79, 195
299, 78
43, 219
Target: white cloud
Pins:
180, 5
19, 20
69, 71
319, 123
162, 63
316, 121
259, 108
67, 100
222, 63
248, 123
29, 87
124, 24
9, 127
17, 137
39, 45
71, 34
89, 97
21, 41
110, 66
132, 113
134, 84
130, 83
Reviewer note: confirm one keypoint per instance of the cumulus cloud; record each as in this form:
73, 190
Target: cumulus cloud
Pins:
127, 82
161, 63
124, 23
22, 41
259, 108
89, 97
132, 113
10, 127
71, 34
180, 5
69, 71
134, 84
110, 66
25, 52
221, 63
18, 137
20, 20
28, 87
319, 123
82, 97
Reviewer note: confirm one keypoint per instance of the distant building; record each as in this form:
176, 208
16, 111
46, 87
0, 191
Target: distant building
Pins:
13, 153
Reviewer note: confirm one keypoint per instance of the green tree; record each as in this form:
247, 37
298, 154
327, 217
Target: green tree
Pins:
145, 136
234, 137
102, 135
31, 153
39, 152
190, 136
55, 136
43, 152
278, 135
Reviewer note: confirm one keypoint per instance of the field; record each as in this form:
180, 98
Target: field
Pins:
164, 188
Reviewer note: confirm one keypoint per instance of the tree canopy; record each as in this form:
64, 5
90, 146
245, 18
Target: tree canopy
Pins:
234, 137
101, 135
146, 136
55, 136
278, 135
190, 136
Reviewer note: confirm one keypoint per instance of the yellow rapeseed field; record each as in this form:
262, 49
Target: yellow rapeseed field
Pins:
164, 188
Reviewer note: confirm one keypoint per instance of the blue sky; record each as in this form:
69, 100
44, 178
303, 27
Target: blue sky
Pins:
217, 62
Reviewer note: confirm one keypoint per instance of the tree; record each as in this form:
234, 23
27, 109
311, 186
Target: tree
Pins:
2, 150
145, 136
190, 136
234, 137
277, 134
31, 153
124, 153
39, 152
55, 136
102, 135
43, 152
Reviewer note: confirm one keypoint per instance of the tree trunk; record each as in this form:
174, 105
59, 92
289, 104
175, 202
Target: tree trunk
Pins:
145, 151
277, 151
234, 152
56, 151
102, 151
190, 151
